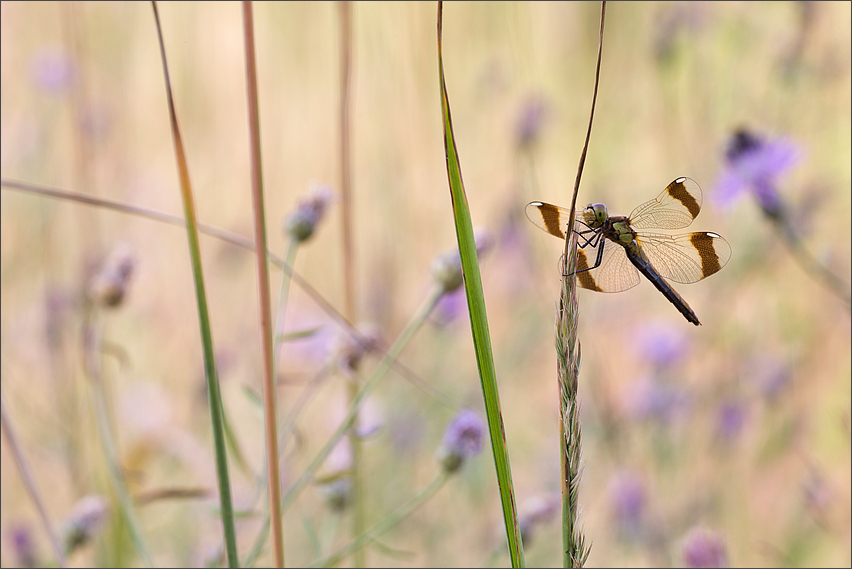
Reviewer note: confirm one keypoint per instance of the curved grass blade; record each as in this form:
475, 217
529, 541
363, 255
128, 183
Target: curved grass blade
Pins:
214, 396
479, 322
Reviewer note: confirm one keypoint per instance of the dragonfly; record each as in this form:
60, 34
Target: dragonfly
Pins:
612, 252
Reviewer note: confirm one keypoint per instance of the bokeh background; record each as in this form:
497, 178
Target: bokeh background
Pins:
729, 439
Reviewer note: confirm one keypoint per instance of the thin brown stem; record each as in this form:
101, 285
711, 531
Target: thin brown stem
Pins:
269, 393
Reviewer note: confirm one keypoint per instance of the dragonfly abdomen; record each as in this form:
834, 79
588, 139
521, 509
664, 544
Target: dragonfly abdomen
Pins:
663, 286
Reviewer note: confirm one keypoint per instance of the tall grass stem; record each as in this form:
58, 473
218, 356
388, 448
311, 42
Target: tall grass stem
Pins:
214, 394
270, 421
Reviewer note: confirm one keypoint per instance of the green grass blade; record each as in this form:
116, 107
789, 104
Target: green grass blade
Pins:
479, 323
214, 396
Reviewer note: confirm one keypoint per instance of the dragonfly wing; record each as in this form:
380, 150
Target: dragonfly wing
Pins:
674, 208
615, 273
549, 217
685, 258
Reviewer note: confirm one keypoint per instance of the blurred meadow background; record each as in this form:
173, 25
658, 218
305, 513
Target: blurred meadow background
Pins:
729, 441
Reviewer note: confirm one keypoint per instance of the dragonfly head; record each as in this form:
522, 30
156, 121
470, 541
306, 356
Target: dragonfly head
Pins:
595, 215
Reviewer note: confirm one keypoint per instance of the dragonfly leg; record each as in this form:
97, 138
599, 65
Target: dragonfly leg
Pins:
598, 258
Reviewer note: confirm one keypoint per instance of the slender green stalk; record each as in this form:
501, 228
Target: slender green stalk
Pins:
479, 321
283, 294
402, 340
105, 435
29, 482
214, 395
810, 265
391, 520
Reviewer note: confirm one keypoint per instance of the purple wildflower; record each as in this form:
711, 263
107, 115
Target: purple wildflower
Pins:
462, 440
350, 349
337, 493
754, 164
23, 547
109, 286
535, 512
449, 307
447, 269
731, 417
770, 373
650, 399
662, 344
627, 497
84, 521
53, 71
704, 548
301, 223
530, 120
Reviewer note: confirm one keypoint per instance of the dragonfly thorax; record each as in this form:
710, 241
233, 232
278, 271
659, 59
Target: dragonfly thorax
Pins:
595, 215
624, 233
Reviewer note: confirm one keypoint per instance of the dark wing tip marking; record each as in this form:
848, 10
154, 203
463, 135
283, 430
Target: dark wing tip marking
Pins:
679, 191
712, 260
551, 218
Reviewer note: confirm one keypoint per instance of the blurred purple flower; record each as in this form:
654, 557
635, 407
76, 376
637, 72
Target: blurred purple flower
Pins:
109, 286
449, 307
674, 24
308, 337
731, 417
406, 432
53, 71
770, 373
446, 267
704, 548
627, 498
337, 493
819, 496
22, 546
96, 118
535, 512
650, 399
300, 224
85, 520
662, 344
462, 440
351, 349
754, 164
533, 113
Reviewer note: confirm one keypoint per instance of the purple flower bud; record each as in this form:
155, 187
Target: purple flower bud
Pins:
302, 222
351, 349
447, 269
84, 521
337, 493
704, 548
109, 285
462, 440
